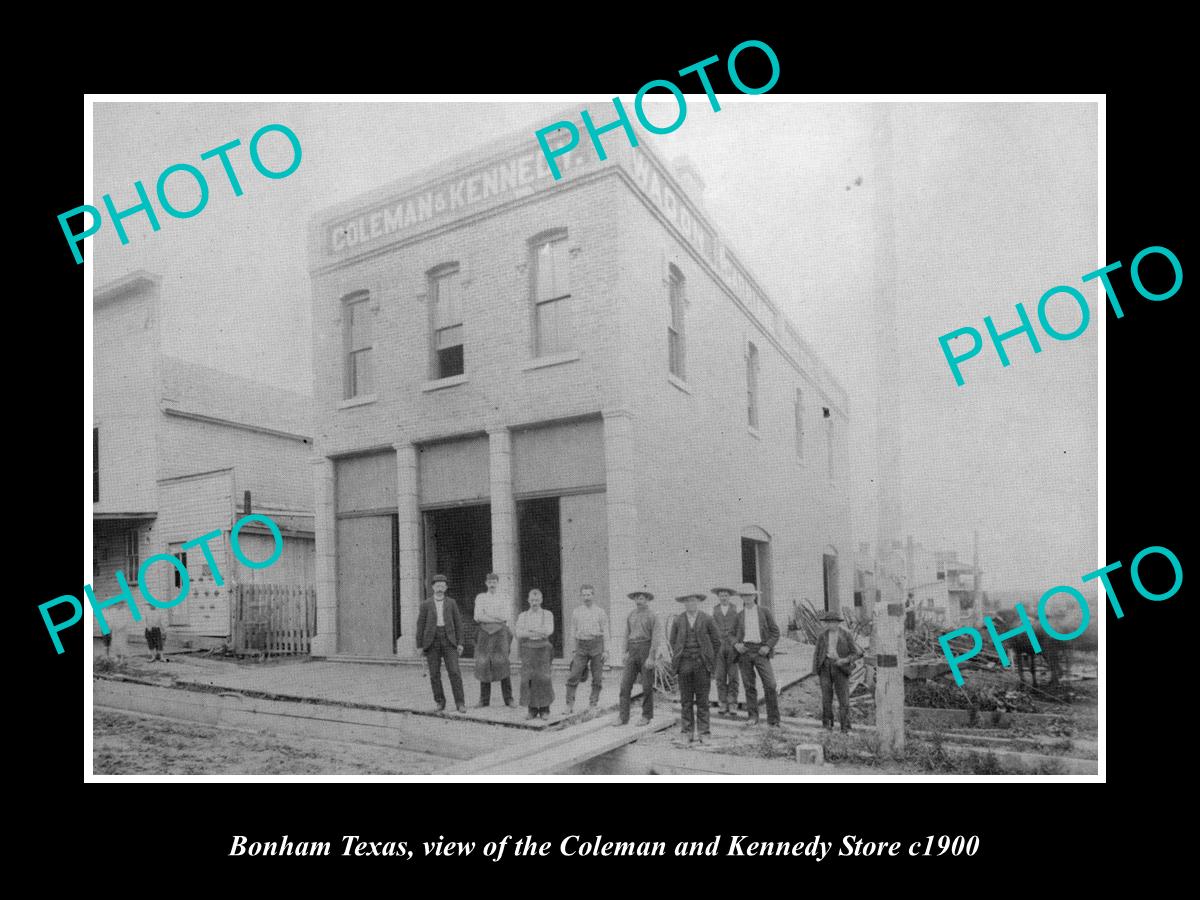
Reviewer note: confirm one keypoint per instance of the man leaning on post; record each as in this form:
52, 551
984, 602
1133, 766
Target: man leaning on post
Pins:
439, 635
755, 638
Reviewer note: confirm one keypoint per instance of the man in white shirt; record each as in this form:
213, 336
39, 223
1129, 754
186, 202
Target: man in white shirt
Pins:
493, 641
588, 636
756, 637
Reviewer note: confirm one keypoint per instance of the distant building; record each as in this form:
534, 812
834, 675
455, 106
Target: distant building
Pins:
943, 588
177, 450
962, 581
563, 382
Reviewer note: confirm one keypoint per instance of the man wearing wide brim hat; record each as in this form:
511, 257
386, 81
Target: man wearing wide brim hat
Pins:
643, 634
756, 636
833, 661
694, 645
724, 616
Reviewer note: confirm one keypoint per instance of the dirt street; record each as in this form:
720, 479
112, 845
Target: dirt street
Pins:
130, 744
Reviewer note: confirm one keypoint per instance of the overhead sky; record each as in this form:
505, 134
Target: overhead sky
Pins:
993, 204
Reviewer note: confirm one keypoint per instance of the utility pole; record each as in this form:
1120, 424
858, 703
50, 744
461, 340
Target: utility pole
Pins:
887, 641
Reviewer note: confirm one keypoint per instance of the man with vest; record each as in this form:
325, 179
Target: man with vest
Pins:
695, 642
724, 616
439, 635
756, 636
833, 661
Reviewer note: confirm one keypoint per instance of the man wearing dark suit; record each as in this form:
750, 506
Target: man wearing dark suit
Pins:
695, 643
439, 635
724, 616
756, 637
833, 661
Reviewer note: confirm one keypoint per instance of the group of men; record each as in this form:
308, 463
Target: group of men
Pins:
720, 646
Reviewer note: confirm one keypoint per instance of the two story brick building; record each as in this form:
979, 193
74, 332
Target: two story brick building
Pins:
566, 382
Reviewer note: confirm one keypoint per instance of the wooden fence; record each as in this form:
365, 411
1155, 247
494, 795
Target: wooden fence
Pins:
274, 619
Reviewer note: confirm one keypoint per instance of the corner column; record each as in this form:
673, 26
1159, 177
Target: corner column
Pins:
620, 501
324, 642
408, 537
504, 513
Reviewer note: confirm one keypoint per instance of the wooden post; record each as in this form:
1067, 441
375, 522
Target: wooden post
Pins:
887, 642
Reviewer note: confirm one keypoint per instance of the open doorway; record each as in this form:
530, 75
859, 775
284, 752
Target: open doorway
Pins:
829, 567
458, 544
756, 565
540, 539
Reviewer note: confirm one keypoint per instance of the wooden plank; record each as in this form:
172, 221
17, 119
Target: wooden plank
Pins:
376, 727
636, 758
567, 749
543, 740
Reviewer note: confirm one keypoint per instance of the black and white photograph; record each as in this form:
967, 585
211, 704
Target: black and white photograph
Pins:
486, 438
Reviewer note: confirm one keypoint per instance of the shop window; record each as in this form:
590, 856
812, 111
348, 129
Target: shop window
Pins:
132, 558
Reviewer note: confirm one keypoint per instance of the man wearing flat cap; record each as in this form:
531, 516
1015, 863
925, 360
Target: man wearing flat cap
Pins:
724, 616
695, 642
643, 634
833, 661
439, 635
756, 637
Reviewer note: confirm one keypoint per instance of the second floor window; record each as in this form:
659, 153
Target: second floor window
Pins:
799, 424
551, 296
446, 290
675, 345
831, 443
359, 336
752, 385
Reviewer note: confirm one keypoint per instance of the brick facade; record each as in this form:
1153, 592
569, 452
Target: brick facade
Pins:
684, 477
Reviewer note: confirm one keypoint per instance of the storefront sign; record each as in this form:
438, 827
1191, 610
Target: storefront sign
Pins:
517, 177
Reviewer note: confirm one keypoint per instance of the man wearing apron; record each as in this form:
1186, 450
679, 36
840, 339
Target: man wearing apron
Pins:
493, 642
